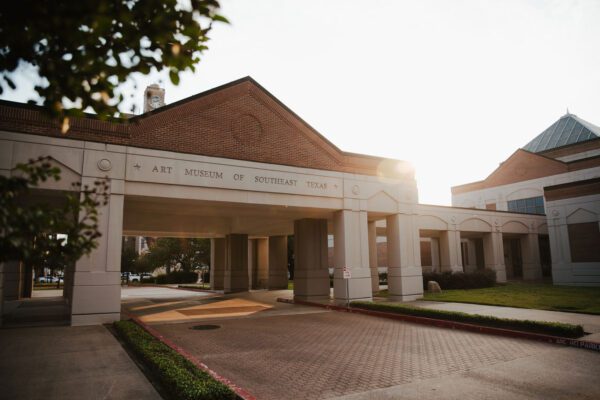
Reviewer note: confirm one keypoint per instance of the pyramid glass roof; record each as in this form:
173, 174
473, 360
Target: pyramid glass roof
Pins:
567, 130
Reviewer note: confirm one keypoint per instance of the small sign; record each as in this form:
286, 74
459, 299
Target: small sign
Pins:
347, 273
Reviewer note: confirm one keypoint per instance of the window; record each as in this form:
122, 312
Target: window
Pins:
532, 205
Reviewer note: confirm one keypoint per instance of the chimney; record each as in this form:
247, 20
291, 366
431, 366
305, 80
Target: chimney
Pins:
154, 97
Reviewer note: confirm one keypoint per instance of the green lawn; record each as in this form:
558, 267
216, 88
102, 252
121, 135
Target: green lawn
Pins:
527, 295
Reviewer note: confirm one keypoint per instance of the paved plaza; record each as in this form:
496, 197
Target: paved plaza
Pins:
285, 353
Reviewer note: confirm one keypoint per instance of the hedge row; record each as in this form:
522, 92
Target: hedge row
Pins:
461, 280
547, 328
179, 377
177, 277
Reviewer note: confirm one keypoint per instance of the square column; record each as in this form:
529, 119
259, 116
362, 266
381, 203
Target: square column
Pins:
405, 276
530, 248
450, 251
258, 261
96, 287
351, 249
493, 254
278, 271
372, 230
235, 278
560, 249
311, 273
218, 259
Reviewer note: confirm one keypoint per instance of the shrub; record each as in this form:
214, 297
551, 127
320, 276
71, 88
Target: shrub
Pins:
462, 280
177, 277
547, 328
179, 377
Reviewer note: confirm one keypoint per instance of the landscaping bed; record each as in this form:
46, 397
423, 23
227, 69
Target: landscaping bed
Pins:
539, 296
546, 328
180, 378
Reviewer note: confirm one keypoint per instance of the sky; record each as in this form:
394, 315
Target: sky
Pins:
452, 86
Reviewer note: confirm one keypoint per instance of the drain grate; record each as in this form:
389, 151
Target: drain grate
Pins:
205, 327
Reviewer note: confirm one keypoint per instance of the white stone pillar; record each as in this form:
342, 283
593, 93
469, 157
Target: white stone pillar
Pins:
493, 253
218, 259
278, 271
405, 278
373, 263
251, 263
96, 291
530, 248
311, 273
351, 249
450, 252
235, 278
560, 247
261, 275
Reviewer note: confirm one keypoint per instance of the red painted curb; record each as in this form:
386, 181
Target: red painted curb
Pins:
456, 325
239, 391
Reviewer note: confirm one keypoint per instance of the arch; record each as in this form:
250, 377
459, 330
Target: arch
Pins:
475, 225
543, 228
432, 222
515, 227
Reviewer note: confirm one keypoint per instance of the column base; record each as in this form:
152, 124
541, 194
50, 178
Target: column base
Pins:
94, 319
405, 283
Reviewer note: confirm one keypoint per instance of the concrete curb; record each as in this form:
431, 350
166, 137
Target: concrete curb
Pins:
582, 344
239, 391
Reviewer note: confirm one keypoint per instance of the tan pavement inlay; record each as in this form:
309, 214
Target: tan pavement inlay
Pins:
181, 311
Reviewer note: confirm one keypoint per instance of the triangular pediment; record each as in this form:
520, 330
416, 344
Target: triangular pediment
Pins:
68, 176
241, 120
382, 201
522, 166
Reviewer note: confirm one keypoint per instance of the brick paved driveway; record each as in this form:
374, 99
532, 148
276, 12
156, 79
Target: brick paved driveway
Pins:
330, 354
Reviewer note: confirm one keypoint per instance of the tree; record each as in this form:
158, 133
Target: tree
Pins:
129, 258
29, 230
83, 50
187, 254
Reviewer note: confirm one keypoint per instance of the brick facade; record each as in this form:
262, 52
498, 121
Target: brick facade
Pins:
240, 120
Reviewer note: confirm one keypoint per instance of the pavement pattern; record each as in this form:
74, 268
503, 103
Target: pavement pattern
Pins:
331, 354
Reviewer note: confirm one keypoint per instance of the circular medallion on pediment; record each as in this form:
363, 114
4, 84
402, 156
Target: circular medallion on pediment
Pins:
104, 164
246, 129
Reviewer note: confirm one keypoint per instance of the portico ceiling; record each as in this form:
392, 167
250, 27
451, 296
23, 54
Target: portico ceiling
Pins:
153, 216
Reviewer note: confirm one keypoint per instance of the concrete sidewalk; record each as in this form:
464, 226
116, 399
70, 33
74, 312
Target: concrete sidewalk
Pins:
590, 323
68, 363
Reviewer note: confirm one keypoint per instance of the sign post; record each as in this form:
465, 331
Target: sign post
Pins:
347, 276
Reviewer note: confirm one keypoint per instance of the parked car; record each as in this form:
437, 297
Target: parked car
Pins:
135, 278
50, 279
